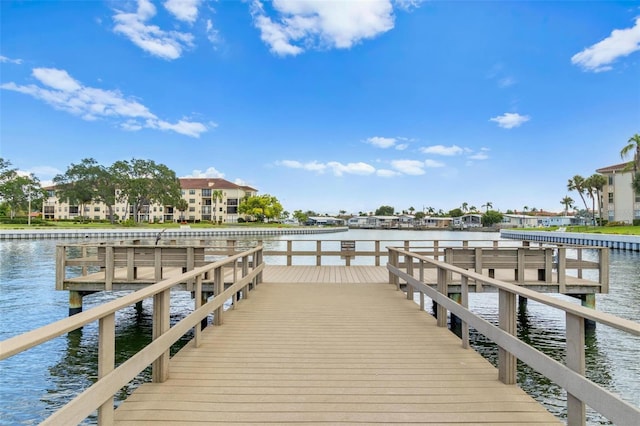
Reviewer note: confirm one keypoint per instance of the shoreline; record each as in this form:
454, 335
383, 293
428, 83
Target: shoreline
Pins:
612, 241
51, 234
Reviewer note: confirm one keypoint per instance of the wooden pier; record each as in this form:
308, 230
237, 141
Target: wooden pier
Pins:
346, 350
332, 343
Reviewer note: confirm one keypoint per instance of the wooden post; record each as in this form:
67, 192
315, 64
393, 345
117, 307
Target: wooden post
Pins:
478, 267
575, 360
198, 303
441, 311
245, 272
257, 262
604, 269
562, 270
61, 254
157, 262
377, 249
75, 302
507, 362
161, 302
318, 253
464, 281
106, 362
109, 268
131, 268
408, 260
289, 249
218, 284
521, 265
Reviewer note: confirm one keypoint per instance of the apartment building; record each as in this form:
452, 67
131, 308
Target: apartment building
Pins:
208, 199
619, 200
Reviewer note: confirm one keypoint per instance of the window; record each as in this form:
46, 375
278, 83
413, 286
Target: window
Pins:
206, 193
182, 192
192, 192
610, 180
611, 198
155, 209
192, 209
192, 200
96, 218
96, 209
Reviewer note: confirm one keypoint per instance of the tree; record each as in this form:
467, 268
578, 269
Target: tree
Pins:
300, 216
465, 207
456, 212
21, 192
633, 144
567, 202
411, 210
217, 197
143, 182
525, 209
577, 183
488, 205
491, 217
473, 209
594, 186
181, 205
261, 207
420, 215
385, 211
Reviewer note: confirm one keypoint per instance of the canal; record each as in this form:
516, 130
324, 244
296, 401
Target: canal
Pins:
37, 382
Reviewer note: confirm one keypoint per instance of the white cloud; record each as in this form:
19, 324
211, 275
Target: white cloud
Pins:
387, 173
211, 172
212, 34
164, 44
359, 168
509, 120
479, 156
409, 167
4, 59
184, 10
381, 142
442, 150
506, 82
304, 24
64, 93
601, 55
433, 163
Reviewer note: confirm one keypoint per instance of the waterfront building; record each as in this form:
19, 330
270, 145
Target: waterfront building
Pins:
208, 199
619, 200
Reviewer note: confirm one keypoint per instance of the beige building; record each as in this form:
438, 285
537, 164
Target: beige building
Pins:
208, 199
620, 202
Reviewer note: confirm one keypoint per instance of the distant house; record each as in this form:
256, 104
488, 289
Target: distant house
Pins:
620, 202
324, 220
406, 220
435, 222
358, 222
469, 220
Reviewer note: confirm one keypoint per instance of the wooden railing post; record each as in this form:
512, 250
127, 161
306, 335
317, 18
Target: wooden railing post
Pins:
106, 362
197, 335
575, 360
377, 251
408, 261
393, 260
289, 250
157, 262
562, 270
218, 283
519, 275
245, 272
441, 311
257, 262
318, 252
160, 368
61, 254
464, 282
421, 272
109, 268
478, 267
507, 362
604, 269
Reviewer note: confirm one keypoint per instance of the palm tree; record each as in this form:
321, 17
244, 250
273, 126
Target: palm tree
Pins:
633, 144
411, 210
567, 202
525, 209
488, 205
465, 207
577, 183
473, 209
216, 195
595, 183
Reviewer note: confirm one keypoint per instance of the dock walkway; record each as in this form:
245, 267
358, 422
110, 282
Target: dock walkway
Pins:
329, 345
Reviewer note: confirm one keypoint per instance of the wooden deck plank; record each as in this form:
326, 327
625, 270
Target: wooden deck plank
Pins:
341, 352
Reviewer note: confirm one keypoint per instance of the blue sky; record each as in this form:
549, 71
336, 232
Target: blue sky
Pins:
328, 105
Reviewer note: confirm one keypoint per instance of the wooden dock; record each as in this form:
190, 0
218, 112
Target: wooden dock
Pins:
329, 345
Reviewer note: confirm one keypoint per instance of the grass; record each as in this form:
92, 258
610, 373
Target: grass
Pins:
102, 225
615, 230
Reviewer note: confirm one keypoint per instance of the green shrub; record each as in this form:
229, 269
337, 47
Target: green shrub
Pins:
636, 222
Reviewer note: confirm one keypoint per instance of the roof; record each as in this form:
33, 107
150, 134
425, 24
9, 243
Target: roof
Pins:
614, 168
211, 183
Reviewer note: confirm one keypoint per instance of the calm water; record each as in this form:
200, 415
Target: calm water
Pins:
37, 382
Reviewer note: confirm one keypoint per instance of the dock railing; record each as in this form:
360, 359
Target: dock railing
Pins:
100, 396
490, 255
580, 390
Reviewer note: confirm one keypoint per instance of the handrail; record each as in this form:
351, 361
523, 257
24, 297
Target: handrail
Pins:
580, 390
100, 394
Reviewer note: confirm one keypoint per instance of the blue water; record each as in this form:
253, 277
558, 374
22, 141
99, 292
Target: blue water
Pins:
35, 383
